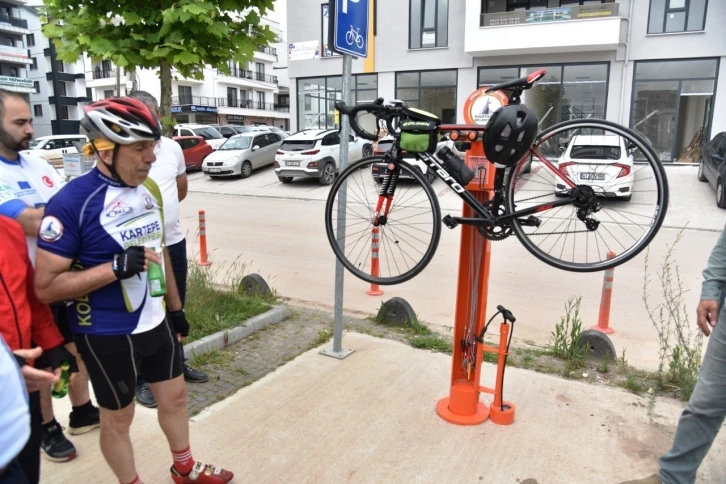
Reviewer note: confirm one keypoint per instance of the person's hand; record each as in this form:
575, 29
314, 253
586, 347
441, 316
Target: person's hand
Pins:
707, 315
54, 357
151, 256
130, 262
179, 321
35, 379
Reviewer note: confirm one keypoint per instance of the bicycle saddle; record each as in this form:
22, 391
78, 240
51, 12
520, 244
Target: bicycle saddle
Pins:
522, 82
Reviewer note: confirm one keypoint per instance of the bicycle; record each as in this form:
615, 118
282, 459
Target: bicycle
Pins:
353, 36
587, 209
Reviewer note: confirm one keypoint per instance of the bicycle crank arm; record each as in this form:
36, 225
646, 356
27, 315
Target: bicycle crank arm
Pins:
452, 222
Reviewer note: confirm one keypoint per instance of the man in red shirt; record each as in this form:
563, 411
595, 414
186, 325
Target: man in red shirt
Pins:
26, 322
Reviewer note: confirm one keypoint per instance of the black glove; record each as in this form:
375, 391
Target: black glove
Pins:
179, 322
129, 263
54, 357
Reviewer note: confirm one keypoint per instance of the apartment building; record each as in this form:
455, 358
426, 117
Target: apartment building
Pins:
653, 65
253, 93
15, 62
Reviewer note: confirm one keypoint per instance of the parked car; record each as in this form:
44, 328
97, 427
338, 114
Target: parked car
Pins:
712, 166
209, 133
229, 130
600, 161
241, 154
314, 153
386, 143
52, 148
195, 149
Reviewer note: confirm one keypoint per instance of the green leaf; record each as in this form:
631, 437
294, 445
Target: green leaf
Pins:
101, 46
186, 57
195, 9
120, 61
218, 29
131, 18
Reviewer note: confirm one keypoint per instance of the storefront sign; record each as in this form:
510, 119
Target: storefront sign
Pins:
576, 12
480, 106
16, 82
193, 108
309, 49
235, 117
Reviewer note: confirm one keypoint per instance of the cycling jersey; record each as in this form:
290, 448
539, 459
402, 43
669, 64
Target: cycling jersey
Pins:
89, 221
29, 181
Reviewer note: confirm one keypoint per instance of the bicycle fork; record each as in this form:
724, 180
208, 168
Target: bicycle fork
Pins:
385, 196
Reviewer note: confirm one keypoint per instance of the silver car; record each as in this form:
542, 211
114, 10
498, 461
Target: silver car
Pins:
241, 154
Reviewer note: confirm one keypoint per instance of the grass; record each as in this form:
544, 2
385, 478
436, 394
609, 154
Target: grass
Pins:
211, 307
633, 384
241, 371
214, 357
433, 343
566, 343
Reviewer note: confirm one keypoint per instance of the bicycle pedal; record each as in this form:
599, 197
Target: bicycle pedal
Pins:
530, 221
450, 222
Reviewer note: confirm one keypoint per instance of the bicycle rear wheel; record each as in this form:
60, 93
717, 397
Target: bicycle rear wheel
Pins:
616, 185
407, 217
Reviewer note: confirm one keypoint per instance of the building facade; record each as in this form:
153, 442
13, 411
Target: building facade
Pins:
15, 61
652, 65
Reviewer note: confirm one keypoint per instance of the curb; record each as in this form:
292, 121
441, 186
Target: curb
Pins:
221, 339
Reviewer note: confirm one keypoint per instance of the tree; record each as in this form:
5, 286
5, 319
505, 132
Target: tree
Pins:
182, 34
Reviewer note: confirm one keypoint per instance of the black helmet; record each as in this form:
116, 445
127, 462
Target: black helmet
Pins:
510, 133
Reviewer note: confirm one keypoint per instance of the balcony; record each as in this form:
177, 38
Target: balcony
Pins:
15, 55
68, 100
100, 77
17, 84
282, 108
266, 53
250, 104
99, 73
250, 75
13, 24
572, 28
195, 100
65, 76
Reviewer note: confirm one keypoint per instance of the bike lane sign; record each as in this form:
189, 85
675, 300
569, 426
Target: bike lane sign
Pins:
350, 31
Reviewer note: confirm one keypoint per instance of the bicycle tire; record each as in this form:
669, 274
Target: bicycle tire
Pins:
655, 224
330, 227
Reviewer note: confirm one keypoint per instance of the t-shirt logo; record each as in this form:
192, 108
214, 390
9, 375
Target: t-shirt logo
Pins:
148, 203
23, 185
51, 229
47, 182
118, 208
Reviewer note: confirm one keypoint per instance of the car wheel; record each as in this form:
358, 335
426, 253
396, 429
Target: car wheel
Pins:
328, 175
720, 195
246, 170
367, 151
285, 179
701, 175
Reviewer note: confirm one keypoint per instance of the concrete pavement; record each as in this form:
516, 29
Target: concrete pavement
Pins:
278, 230
370, 419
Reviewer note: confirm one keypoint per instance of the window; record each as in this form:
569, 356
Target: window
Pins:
89, 93
432, 91
671, 103
428, 24
36, 85
64, 112
106, 66
566, 92
260, 67
332, 139
38, 110
108, 94
13, 71
34, 67
260, 100
317, 96
667, 16
185, 94
30, 40
62, 88
232, 97
260, 141
59, 66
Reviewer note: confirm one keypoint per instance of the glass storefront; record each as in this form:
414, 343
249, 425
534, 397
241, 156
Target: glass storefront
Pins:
317, 97
672, 102
568, 91
432, 91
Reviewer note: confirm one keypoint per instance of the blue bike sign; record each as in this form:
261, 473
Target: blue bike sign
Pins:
350, 27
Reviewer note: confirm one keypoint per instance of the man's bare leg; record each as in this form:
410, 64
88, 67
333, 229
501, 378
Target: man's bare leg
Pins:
116, 441
78, 389
173, 416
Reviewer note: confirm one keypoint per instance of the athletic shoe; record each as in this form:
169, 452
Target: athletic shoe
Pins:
202, 474
194, 376
55, 445
145, 396
78, 426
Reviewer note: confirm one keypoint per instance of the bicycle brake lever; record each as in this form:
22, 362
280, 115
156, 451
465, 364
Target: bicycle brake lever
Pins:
508, 316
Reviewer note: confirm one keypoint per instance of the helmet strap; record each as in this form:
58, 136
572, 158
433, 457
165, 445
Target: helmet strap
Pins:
111, 167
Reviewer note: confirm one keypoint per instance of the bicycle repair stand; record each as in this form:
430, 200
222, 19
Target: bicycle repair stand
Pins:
462, 406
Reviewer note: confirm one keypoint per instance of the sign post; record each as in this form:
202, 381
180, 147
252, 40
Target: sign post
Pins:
348, 35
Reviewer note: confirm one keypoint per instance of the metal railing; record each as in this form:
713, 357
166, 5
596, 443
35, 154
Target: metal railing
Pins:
268, 50
250, 104
99, 73
251, 75
196, 100
14, 21
282, 108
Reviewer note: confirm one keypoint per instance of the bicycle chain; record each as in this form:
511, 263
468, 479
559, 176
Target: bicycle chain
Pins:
551, 233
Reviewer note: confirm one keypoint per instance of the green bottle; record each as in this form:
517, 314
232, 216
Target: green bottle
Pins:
60, 388
157, 282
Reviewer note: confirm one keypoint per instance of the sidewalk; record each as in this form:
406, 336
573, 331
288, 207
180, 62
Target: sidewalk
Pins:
371, 418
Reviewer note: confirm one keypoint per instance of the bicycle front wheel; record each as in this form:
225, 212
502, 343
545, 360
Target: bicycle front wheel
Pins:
616, 186
383, 220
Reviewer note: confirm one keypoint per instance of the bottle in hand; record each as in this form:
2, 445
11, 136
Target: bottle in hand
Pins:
155, 276
60, 388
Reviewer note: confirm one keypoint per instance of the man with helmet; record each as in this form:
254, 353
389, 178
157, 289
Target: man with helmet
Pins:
97, 239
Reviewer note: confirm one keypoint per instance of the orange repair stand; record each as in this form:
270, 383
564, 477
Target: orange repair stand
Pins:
462, 406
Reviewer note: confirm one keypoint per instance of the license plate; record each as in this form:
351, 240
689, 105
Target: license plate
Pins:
592, 176
292, 163
215, 170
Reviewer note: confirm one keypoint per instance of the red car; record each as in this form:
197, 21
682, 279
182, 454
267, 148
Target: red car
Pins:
195, 150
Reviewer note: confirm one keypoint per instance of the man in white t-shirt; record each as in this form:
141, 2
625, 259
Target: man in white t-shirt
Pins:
27, 183
170, 173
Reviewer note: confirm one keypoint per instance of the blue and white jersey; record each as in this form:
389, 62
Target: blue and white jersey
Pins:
29, 181
92, 219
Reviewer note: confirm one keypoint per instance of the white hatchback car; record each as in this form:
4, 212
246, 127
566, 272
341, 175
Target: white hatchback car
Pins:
52, 148
602, 162
241, 154
314, 153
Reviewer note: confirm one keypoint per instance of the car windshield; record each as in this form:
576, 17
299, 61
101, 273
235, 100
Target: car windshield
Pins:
34, 143
208, 133
300, 145
384, 146
241, 143
586, 152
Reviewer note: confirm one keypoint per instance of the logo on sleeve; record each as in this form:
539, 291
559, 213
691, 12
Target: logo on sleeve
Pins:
47, 181
118, 208
148, 202
51, 229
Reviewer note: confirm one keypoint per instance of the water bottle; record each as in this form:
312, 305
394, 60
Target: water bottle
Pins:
60, 388
457, 168
157, 282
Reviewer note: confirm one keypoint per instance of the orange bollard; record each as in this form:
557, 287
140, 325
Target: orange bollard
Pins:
375, 268
203, 261
603, 320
